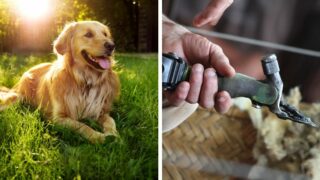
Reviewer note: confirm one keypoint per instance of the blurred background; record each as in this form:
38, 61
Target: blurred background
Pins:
31, 25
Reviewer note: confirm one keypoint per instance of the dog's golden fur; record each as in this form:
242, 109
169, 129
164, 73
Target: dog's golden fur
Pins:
73, 88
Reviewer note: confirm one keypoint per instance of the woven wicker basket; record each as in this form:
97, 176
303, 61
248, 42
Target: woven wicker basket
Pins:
209, 146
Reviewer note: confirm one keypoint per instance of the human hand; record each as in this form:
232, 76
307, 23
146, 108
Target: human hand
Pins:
205, 58
212, 13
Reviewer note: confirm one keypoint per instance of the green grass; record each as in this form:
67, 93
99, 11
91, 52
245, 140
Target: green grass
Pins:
32, 148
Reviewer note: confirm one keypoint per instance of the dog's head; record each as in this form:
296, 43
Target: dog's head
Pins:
89, 42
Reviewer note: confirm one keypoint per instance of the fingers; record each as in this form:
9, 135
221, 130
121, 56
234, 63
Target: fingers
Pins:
212, 13
179, 95
195, 81
188, 91
209, 88
201, 88
223, 102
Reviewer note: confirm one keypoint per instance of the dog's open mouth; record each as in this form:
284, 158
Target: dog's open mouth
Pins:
99, 62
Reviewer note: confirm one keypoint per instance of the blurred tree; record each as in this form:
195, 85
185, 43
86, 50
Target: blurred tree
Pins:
6, 25
133, 23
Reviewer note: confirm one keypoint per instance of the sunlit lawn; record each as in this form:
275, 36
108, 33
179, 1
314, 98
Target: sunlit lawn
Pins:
32, 148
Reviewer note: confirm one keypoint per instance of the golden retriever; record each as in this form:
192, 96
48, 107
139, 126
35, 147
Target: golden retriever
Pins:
80, 84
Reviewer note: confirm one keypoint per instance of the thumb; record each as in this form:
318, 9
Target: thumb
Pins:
220, 61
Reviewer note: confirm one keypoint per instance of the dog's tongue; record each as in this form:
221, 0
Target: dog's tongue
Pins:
104, 63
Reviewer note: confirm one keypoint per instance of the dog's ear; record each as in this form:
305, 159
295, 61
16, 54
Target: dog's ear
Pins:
62, 44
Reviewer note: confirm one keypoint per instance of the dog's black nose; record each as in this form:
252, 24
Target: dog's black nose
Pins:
109, 46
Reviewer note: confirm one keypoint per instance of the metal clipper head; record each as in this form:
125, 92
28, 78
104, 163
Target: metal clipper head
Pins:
280, 107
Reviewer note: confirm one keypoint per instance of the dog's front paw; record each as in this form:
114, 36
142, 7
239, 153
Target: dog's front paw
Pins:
110, 131
99, 138
7, 98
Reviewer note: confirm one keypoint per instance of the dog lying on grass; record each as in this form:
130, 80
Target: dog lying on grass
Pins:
80, 84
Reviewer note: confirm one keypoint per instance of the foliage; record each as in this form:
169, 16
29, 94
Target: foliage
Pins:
32, 148
133, 23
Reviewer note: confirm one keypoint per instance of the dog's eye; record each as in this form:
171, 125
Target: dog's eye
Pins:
105, 34
89, 35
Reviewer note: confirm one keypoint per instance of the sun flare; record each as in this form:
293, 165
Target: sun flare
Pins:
32, 9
